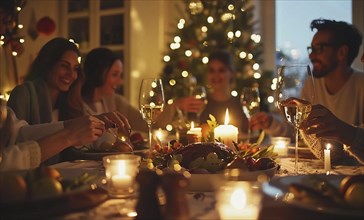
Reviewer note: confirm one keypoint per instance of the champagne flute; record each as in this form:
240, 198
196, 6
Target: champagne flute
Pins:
288, 100
199, 92
250, 102
151, 103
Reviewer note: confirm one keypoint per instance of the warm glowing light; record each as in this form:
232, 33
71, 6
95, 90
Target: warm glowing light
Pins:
21, 40
237, 33
210, 19
255, 66
79, 59
242, 55
238, 199
154, 85
234, 93
170, 101
14, 53
184, 73
270, 99
18, 8
226, 122
166, 58
188, 53
169, 127
231, 7
121, 168
172, 82
20, 26
204, 29
250, 56
328, 146
205, 60
257, 75
177, 39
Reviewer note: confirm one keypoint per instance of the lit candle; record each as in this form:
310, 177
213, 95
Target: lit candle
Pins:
120, 172
194, 134
327, 158
121, 180
226, 133
280, 145
239, 202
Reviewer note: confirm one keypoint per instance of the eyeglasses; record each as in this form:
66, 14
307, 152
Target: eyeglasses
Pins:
319, 48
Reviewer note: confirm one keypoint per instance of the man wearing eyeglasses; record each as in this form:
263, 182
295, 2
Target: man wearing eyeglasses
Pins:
338, 87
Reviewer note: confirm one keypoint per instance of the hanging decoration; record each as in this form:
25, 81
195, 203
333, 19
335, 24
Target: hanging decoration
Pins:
46, 26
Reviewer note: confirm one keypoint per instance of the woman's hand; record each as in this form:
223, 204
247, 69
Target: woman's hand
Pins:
83, 130
116, 119
260, 120
190, 104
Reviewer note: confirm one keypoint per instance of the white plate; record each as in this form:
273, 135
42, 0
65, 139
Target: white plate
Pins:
209, 182
278, 188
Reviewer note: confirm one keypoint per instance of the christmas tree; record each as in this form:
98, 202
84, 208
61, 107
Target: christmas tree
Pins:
208, 25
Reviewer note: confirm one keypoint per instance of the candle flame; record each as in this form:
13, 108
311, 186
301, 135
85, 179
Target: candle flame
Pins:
192, 125
227, 117
328, 146
159, 134
238, 199
121, 168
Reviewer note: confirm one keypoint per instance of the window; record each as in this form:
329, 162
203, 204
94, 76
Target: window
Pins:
293, 18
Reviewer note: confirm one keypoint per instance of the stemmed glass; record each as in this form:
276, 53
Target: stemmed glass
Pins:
199, 92
151, 103
250, 102
288, 100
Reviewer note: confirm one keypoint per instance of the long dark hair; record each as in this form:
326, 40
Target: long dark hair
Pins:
96, 64
68, 103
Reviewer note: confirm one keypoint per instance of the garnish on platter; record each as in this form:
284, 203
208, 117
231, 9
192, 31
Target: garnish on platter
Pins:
211, 156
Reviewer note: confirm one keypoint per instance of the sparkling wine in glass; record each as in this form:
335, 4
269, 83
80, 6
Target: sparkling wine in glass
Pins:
250, 102
199, 92
288, 100
151, 103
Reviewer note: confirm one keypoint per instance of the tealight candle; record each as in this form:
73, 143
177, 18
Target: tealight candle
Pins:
226, 133
238, 200
327, 162
194, 134
281, 145
120, 172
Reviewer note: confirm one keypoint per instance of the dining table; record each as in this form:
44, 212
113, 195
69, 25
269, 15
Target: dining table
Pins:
202, 204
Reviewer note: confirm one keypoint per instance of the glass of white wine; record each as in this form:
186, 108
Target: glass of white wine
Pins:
288, 99
199, 92
151, 103
250, 102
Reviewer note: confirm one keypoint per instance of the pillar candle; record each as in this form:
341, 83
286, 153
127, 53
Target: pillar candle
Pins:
194, 134
327, 155
226, 133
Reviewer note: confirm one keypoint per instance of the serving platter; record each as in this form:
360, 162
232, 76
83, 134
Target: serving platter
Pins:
209, 182
277, 189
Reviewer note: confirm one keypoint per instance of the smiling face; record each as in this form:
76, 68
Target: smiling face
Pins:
324, 59
219, 75
112, 79
64, 72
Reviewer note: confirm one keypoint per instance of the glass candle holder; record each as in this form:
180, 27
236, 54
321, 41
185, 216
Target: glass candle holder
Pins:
239, 200
280, 145
120, 172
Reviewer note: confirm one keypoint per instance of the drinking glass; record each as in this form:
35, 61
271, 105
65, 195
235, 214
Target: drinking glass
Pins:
250, 102
151, 103
199, 92
288, 100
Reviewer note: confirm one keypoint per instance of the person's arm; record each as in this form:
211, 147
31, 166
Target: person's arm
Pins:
18, 99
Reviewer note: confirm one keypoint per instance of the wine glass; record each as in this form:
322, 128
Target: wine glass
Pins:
288, 100
199, 92
250, 102
151, 103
